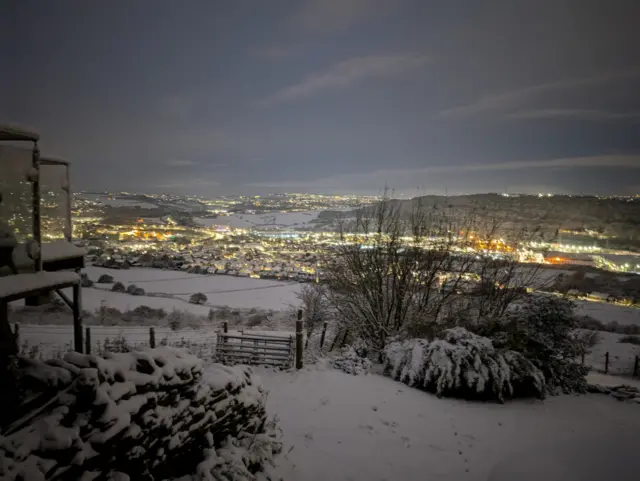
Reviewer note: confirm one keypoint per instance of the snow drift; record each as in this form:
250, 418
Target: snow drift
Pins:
142, 415
463, 365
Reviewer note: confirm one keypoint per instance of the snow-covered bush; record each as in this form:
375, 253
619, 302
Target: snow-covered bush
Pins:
150, 414
544, 330
105, 279
118, 287
464, 365
198, 298
135, 290
351, 362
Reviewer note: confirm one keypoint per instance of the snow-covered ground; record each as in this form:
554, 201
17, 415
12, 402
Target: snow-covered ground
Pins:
47, 341
247, 221
371, 428
235, 292
621, 355
51, 340
117, 201
606, 312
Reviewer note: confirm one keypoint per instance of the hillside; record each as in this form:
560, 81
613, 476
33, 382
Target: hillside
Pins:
587, 219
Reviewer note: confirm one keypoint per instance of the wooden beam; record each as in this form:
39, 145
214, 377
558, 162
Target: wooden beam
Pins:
77, 318
64, 297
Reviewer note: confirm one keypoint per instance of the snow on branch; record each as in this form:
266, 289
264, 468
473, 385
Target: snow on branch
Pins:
463, 365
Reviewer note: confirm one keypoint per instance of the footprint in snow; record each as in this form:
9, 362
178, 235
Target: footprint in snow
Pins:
391, 424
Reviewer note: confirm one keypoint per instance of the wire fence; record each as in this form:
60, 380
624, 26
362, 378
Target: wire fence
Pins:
46, 342
607, 363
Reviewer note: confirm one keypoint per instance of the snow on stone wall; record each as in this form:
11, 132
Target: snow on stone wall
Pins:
148, 414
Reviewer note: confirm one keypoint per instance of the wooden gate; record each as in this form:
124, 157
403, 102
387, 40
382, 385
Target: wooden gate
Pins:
248, 348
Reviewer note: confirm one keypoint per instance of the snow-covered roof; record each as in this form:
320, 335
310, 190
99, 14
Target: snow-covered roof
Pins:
51, 251
49, 160
15, 133
16, 284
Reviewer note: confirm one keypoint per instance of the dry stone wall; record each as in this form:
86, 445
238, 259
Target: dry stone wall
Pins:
150, 414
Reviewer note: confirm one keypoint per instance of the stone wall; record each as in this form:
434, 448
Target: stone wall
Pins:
150, 414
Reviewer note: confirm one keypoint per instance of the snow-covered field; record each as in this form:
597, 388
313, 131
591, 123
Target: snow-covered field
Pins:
371, 428
117, 201
51, 340
247, 221
47, 341
607, 312
621, 355
235, 292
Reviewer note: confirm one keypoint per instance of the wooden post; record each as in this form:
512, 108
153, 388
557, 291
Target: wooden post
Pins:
225, 327
87, 340
77, 318
299, 341
344, 339
324, 333
606, 363
636, 365
152, 337
8, 342
16, 335
582, 357
335, 341
35, 205
69, 224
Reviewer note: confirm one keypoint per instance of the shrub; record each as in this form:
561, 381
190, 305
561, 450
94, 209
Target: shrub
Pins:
198, 298
350, 362
135, 290
630, 340
146, 311
255, 320
105, 279
464, 365
542, 329
118, 287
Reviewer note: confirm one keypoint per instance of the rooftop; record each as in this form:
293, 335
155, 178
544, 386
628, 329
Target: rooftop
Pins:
15, 133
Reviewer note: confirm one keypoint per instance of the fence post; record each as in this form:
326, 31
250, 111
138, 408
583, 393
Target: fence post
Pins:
344, 339
606, 363
225, 327
335, 341
636, 363
87, 340
16, 334
152, 337
299, 341
324, 333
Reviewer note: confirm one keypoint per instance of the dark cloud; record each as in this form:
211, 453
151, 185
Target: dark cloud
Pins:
330, 95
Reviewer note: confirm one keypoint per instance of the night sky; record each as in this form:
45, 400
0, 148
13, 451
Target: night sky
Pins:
247, 96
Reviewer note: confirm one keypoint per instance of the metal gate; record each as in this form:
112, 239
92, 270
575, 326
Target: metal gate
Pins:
241, 348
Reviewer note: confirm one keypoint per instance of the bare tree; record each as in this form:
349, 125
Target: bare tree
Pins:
314, 303
412, 270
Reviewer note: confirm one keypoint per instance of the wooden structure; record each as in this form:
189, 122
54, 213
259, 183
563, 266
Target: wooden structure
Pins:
21, 286
36, 282
21, 135
249, 348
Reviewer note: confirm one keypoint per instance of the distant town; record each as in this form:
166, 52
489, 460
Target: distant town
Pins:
282, 236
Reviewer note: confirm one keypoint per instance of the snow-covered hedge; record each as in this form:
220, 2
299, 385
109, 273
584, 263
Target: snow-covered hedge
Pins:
463, 365
151, 414
351, 362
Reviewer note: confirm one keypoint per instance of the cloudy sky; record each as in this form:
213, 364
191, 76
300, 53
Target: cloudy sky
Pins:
246, 96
